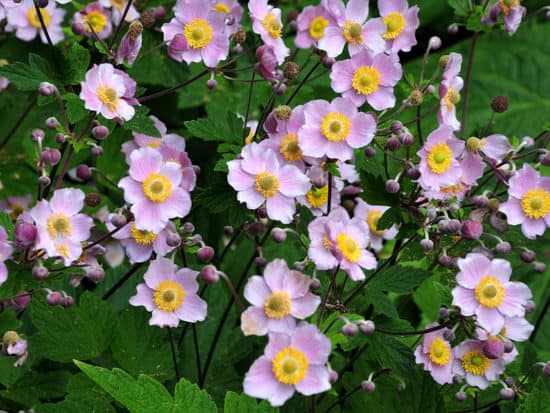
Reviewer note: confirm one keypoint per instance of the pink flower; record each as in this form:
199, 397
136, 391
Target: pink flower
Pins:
232, 12
200, 33
401, 22
130, 45
153, 189
335, 129
26, 23
436, 355
484, 289
515, 328
13, 345
259, 177
61, 229
439, 166
371, 214
109, 92
528, 203
367, 77
352, 28
312, 22
118, 7
512, 11
267, 63
337, 240
294, 361
278, 298
15, 205
266, 21
96, 19
5, 253
474, 366
449, 92
170, 294
316, 199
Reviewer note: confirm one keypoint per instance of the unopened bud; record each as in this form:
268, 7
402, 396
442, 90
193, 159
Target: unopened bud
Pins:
527, 142
530, 307
100, 132
78, 28
96, 274
228, 230
278, 235
416, 98
205, 254
209, 274
211, 84
367, 327
37, 134
51, 122
427, 244
67, 301
539, 267
452, 29
350, 329
40, 272
368, 386
392, 186
188, 228
493, 348
434, 42
393, 144
370, 152
291, 70
60, 138
471, 230
54, 298
508, 346
480, 201
546, 369
500, 104
406, 138
503, 248
328, 62
315, 284
332, 377
461, 396
24, 234
118, 220
507, 394
173, 239
160, 13
46, 89
96, 151
528, 255
262, 212
44, 181
449, 335
443, 313
256, 228
260, 262
83, 172
92, 199
279, 88
396, 126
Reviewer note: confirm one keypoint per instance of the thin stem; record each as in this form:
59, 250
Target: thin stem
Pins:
42, 24
103, 238
327, 293
329, 198
410, 333
250, 88
342, 398
173, 88
121, 282
119, 26
197, 351
419, 125
303, 81
475, 401
174, 357
540, 318
19, 122
64, 168
467, 83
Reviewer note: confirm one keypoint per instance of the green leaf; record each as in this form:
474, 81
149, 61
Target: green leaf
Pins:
399, 279
82, 331
374, 191
390, 217
9, 321
139, 348
74, 108
392, 353
538, 401
146, 395
6, 223
28, 77
141, 123
75, 64
241, 403
380, 301
36, 386
228, 130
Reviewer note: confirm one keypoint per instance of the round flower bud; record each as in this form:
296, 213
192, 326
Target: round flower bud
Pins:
239, 36
50, 156
298, 266
78, 28
67, 301
544, 159
328, 61
392, 186
445, 226
205, 254
188, 228
262, 212
370, 152
315, 284
60, 138
485, 251
498, 223
197, 239
528, 256
431, 212
368, 386
427, 244
119, 220
406, 138
480, 201
209, 274
96, 274
493, 348
37, 134
160, 13
507, 394
173, 239
509, 381
46, 89
445, 261
332, 377
350, 329
44, 181
96, 151
443, 313
393, 144
178, 44
53, 298
291, 70
430, 90
40, 272
503, 248
256, 228
454, 208
260, 261
546, 369
452, 29
278, 235
434, 42
416, 98
413, 173
279, 88
500, 104
399, 388
449, 335
527, 141
228, 230
211, 84
396, 126
461, 396
508, 346
92, 199
100, 132
51, 122
457, 379
24, 234
471, 229
83, 172
443, 60
148, 18
21, 300
539, 267
238, 49
530, 307
367, 327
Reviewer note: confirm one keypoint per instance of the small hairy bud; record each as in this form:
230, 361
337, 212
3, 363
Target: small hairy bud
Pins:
50, 156
173, 239
83, 172
445, 261
527, 142
119, 220
427, 244
416, 98
51, 122
239, 36
160, 13
393, 144
46, 89
493, 348
332, 377
392, 186
211, 84
430, 90
443, 313
503, 248
406, 138
147, 18
282, 112
44, 181
60, 138
461, 396
530, 307
205, 254
528, 256
298, 266
260, 261
209, 274
78, 28
188, 228
256, 228
449, 335
315, 284
40, 272
480, 201
370, 152
413, 173
367, 327
328, 62
452, 29
24, 234
278, 235
92, 199
546, 369
96, 274
350, 329
291, 70
37, 134
471, 229
96, 151
544, 159
228, 230
368, 386
262, 212
500, 104
100, 132
508, 346
53, 298
539, 267
507, 394
434, 42
279, 88
396, 126
67, 301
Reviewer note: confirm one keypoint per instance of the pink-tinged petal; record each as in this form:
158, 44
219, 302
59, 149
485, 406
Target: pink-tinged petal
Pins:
312, 142
339, 150
159, 270
465, 299
495, 369
389, 6
362, 130
133, 190
3, 273
125, 110
216, 51
281, 208
367, 260
332, 42
518, 328
490, 319
137, 252
144, 297
513, 211
68, 201
148, 216
472, 268
501, 269
322, 258
292, 182
192, 309
341, 76
388, 67
357, 10
383, 98
442, 374
187, 278
177, 205
305, 306
524, 180
354, 271
276, 343
478, 381
237, 178
260, 382
372, 33
81, 225
163, 319
284, 326
143, 162
251, 197
254, 322
315, 381
172, 170
256, 291
533, 227
316, 346
516, 295
274, 274
296, 284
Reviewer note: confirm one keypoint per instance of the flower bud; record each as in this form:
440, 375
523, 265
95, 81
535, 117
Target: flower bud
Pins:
24, 234
392, 186
209, 274
188, 228
461, 396
332, 377
96, 151
78, 28
239, 36
96, 273
40, 272
147, 18
499, 104
291, 70
278, 235
173, 239
370, 152
262, 212
416, 98
431, 212
503, 247
46, 89
279, 88
427, 244
528, 256
508, 346
530, 307
350, 329
413, 173
67, 301
406, 139
443, 313
51, 123
393, 144
480, 201
328, 61
260, 262
544, 159
100, 132
83, 172
454, 208
177, 45
452, 29
37, 134
20, 301
205, 254
471, 229
50, 156
92, 199
546, 369
430, 90
539, 267
527, 142
228, 230
256, 228
445, 261
367, 327
60, 138
118, 220
434, 42
315, 284
396, 126
368, 386
44, 181
449, 335
507, 394
298, 266
493, 348
498, 223
509, 381
211, 84
237, 49
399, 388
197, 239
53, 298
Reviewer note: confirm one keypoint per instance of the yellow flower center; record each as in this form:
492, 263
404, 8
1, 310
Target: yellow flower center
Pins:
475, 362
34, 20
10, 338
290, 365
440, 352
222, 8
141, 236
395, 23
372, 219
352, 32
366, 80
452, 97
536, 203
168, 295
108, 96
59, 225
440, 157
62, 250
155, 144
157, 187
119, 4
277, 305
335, 126
16, 210
317, 27
198, 33
267, 184
327, 243
96, 20
317, 197
273, 25
507, 5
290, 149
348, 247
490, 292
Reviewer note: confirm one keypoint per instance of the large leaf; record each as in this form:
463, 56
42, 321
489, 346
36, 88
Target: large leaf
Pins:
29, 76
241, 403
399, 279
228, 130
538, 401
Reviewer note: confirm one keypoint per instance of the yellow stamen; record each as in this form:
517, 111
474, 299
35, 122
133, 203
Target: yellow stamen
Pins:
108, 96
273, 25
59, 225
34, 20
335, 126
507, 5
366, 80
395, 23
222, 8
348, 247
141, 236
536, 203
198, 33
440, 353
372, 219
352, 32
317, 27
157, 187
277, 305
317, 197
168, 295
118, 4
290, 149
490, 292
62, 250
267, 184
440, 157
475, 362
452, 97
290, 365
96, 20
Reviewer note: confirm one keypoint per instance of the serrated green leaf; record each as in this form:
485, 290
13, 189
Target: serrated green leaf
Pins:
8, 321
391, 217
141, 123
74, 108
392, 353
241, 403
28, 77
374, 191
37, 386
6, 223
75, 64
228, 130
538, 401
399, 279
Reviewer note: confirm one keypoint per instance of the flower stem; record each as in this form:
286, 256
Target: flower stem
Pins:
119, 26
174, 358
19, 122
250, 88
120, 282
42, 24
467, 84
